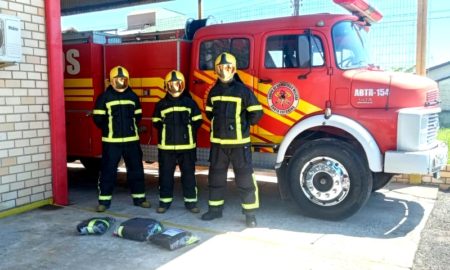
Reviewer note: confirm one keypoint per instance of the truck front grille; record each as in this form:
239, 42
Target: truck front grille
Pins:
432, 128
417, 129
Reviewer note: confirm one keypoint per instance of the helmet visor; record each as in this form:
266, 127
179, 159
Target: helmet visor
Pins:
120, 83
225, 72
175, 88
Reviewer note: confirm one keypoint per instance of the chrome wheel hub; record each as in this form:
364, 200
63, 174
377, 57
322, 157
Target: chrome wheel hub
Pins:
324, 181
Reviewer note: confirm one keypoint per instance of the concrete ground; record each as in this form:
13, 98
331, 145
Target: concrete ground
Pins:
385, 234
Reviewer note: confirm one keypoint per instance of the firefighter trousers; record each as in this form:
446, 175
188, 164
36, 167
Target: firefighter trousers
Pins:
111, 155
241, 159
168, 161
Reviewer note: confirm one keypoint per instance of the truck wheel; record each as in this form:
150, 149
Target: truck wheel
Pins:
329, 180
92, 164
380, 180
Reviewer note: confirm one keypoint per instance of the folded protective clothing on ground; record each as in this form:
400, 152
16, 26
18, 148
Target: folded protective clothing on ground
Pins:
96, 225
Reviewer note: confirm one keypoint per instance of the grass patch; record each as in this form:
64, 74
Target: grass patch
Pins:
444, 135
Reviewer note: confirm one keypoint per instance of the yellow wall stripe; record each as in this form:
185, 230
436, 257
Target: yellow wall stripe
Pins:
25, 208
153, 82
84, 82
79, 99
147, 82
205, 78
307, 108
154, 100
135, 82
79, 92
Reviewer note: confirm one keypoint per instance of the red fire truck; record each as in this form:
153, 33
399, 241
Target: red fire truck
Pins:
335, 127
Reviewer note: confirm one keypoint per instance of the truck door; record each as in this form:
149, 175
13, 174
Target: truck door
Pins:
288, 86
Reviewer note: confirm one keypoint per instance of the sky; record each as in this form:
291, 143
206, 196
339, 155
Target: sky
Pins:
386, 37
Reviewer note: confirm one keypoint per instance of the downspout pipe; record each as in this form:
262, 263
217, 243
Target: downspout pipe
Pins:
56, 102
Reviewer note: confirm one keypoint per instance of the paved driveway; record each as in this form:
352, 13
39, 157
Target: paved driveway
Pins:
384, 235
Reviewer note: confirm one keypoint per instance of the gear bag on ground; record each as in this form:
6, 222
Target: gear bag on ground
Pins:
174, 238
138, 229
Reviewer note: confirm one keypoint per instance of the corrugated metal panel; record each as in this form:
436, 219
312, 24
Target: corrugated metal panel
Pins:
70, 7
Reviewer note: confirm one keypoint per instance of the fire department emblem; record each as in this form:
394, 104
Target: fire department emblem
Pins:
283, 98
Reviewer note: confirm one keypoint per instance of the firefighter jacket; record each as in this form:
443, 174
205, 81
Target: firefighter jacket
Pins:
232, 108
117, 115
177, 121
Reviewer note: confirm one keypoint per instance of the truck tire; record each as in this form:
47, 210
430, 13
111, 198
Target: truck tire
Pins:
380, 180
329, 180
92, 164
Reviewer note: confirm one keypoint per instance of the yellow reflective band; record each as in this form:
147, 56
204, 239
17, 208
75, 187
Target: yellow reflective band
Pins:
104, 197
237, 117
254, 205
110, 137
216, 203
91, 224
138, 111
166, 200
229, 141
119, 102
175, 109
120, 140
163, 145
156, 119
197, 117
138, 196
208, 109
100, 112
176, 147
119, 231
254, 108
192, 199
226, 99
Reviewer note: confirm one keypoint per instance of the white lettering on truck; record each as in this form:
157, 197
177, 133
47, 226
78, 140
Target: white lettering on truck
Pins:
73, 66
370, 92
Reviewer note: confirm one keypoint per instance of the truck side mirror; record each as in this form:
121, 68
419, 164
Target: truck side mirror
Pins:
309, 56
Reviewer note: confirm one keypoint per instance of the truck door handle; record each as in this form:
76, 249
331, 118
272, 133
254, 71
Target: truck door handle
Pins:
264, 80
195, 81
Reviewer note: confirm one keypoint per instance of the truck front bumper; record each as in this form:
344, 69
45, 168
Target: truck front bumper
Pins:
419, 162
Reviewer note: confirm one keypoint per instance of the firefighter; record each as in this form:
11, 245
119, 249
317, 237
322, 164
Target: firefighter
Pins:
177, 118
117, 113
232, 109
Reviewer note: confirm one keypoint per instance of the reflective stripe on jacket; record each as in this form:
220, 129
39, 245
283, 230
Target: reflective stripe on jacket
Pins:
232, 108
177, 121
117, 115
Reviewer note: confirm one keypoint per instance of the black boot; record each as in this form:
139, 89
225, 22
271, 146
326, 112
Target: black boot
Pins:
250, 221
192, 207
213, 213
163, 207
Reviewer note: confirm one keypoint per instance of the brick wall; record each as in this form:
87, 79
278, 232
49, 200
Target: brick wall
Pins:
443, 182
25, 171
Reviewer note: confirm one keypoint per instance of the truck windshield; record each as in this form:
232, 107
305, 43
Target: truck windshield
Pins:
349, 45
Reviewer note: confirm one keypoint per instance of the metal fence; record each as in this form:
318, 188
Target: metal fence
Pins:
392, 41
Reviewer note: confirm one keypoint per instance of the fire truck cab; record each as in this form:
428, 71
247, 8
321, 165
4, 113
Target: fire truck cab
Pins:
335, 127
